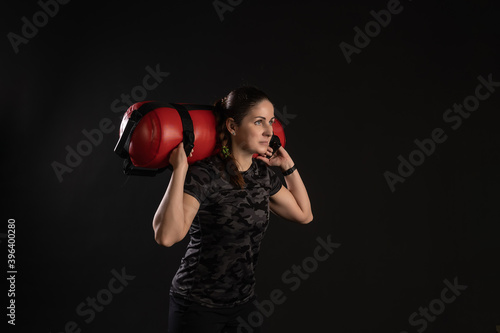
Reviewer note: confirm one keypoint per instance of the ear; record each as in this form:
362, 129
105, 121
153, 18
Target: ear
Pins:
231, 125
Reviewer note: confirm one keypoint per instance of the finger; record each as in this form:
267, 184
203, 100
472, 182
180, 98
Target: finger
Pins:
280, 151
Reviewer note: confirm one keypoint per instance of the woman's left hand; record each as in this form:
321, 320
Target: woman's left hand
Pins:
280, 158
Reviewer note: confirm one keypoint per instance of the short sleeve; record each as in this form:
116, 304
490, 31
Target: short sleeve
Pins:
197, 182
275, 182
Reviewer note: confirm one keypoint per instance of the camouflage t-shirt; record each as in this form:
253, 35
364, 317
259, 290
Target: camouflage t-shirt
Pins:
218, 269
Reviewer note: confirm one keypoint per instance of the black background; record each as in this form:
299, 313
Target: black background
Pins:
352, 121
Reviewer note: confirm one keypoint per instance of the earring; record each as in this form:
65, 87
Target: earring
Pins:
225, 151
233, 133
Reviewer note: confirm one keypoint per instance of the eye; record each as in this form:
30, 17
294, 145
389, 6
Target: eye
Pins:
258, 122
272, 121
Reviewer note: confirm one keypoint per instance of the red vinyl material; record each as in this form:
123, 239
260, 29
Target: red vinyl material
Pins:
160, 131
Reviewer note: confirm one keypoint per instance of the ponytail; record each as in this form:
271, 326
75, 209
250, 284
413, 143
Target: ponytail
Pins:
224, 139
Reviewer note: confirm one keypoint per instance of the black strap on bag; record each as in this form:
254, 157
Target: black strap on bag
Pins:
122, 147
187, 127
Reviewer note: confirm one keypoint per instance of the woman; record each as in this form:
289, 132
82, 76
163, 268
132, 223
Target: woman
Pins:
224, 203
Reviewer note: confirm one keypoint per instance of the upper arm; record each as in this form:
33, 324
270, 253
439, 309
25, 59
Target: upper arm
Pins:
191, 207
284, 205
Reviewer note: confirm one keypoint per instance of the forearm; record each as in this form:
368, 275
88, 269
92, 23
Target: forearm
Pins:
168, 222
296, 186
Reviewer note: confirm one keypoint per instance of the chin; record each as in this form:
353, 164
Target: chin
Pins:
262, 151
257, 152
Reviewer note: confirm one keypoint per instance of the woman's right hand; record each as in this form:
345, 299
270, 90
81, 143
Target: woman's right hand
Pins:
178, 157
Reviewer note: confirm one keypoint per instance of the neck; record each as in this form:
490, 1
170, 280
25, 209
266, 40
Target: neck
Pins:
243, 158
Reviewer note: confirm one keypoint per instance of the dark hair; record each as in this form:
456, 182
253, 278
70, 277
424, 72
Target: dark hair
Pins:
235, 105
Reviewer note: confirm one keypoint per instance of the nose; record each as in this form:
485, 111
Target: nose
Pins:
268, 130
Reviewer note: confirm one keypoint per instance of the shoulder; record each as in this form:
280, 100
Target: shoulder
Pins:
208, 166
268, 177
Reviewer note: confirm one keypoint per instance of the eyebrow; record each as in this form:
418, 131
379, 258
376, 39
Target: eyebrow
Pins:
265, 117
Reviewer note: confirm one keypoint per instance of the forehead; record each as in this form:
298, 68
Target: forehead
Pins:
264, 109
